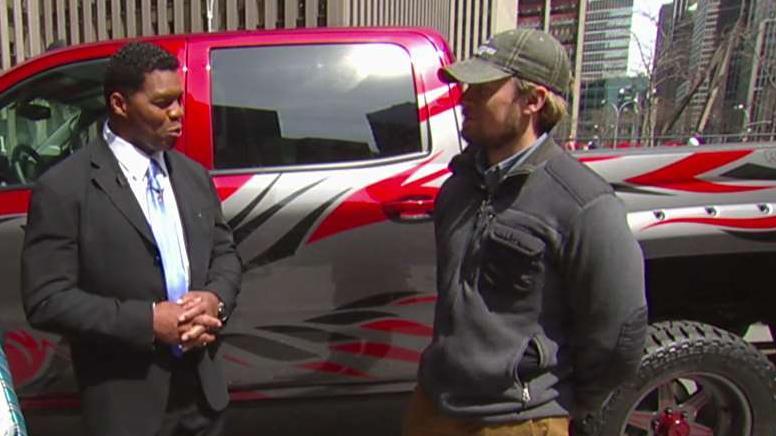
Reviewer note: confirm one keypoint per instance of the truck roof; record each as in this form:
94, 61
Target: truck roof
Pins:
173, 43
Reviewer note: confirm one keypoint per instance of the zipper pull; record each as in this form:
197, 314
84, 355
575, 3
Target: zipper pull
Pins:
485, 204
526, 395
481, 210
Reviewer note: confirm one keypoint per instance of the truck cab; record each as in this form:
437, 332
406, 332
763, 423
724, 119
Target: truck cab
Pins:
327, 148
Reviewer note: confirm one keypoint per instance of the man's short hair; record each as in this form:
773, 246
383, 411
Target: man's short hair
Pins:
554, 109
127, 67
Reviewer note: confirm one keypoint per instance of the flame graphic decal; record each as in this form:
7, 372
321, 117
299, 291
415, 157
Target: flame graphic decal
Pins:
683, 175
365, 206
26, 355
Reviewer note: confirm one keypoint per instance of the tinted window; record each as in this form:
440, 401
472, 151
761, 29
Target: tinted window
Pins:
45, 118
293, 105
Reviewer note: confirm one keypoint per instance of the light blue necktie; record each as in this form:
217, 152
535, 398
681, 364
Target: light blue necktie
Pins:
162, 223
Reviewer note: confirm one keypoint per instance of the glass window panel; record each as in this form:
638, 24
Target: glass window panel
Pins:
312, 104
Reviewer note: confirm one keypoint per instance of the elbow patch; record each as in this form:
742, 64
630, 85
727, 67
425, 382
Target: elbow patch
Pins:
631, 340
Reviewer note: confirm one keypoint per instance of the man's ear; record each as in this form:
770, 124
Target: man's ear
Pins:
118, 104
536, 100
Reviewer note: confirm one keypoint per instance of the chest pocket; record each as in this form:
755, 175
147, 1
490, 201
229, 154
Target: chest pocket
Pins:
511, 263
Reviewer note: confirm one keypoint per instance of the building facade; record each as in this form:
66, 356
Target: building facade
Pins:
760, 115
607, 39
705, 61
702, 45
672, 52
464, 23
713, 22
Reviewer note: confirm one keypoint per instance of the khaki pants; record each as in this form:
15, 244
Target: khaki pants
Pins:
423, 419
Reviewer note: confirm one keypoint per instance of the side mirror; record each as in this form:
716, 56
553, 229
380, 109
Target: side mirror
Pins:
33, 112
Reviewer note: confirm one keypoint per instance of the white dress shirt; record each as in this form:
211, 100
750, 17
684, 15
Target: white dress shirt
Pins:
134, 165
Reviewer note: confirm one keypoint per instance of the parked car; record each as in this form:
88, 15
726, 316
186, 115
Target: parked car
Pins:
328, 147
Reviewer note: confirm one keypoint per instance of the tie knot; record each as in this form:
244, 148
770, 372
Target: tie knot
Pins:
154, 171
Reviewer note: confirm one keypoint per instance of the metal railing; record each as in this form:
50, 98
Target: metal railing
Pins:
588, 143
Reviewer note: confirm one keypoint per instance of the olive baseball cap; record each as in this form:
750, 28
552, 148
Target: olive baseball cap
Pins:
529, 54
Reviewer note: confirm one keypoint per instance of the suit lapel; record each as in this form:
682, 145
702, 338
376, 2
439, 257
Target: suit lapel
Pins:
107, 175
185, 198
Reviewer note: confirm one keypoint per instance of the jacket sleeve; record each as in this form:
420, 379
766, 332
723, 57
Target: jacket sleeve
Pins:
50, 267
607, 301
225, 272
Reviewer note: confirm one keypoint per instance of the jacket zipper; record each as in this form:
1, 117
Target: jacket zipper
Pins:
480, 225
483, 219
483, 223
526, 394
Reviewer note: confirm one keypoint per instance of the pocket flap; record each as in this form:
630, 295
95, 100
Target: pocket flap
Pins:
519, 240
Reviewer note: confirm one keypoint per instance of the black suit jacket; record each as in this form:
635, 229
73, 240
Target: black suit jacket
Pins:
91, 270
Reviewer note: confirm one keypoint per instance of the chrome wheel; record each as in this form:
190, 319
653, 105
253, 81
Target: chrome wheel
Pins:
694, 380
690, 405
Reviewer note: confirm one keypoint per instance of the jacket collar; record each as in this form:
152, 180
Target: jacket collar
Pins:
131, 159
465, 163
545, 151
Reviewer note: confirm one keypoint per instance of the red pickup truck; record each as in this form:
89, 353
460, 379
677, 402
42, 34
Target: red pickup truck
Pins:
328, 147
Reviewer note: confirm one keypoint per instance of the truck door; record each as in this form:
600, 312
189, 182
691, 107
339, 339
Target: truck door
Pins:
44, 118
327, 175
50, 107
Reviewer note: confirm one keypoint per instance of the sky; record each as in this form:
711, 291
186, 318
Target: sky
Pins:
644, 27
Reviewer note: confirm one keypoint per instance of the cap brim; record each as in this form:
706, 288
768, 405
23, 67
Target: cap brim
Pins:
473, 70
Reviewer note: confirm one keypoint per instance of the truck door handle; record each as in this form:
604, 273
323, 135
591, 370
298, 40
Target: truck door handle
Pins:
410, 210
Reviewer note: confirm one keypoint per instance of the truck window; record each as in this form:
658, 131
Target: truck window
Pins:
46, 117
312, 104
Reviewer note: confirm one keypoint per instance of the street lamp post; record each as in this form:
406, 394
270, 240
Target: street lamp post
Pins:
617, 112
747, 119
758, 47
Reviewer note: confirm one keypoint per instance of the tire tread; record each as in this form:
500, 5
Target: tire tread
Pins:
671, 341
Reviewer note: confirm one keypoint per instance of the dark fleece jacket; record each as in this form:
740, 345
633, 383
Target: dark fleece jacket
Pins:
541, 309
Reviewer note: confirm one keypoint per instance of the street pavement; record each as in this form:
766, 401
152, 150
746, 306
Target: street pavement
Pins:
374, 415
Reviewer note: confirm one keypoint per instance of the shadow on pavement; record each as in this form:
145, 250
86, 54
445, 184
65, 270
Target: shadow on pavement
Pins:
375, 415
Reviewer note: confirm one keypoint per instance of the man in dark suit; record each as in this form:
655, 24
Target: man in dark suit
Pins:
127, 254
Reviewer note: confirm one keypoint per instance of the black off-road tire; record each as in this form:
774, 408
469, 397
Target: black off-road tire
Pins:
700, 353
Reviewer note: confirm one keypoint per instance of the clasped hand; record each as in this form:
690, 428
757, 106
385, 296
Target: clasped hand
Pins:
191, 321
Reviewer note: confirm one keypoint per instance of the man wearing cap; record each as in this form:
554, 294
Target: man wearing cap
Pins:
541, 310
